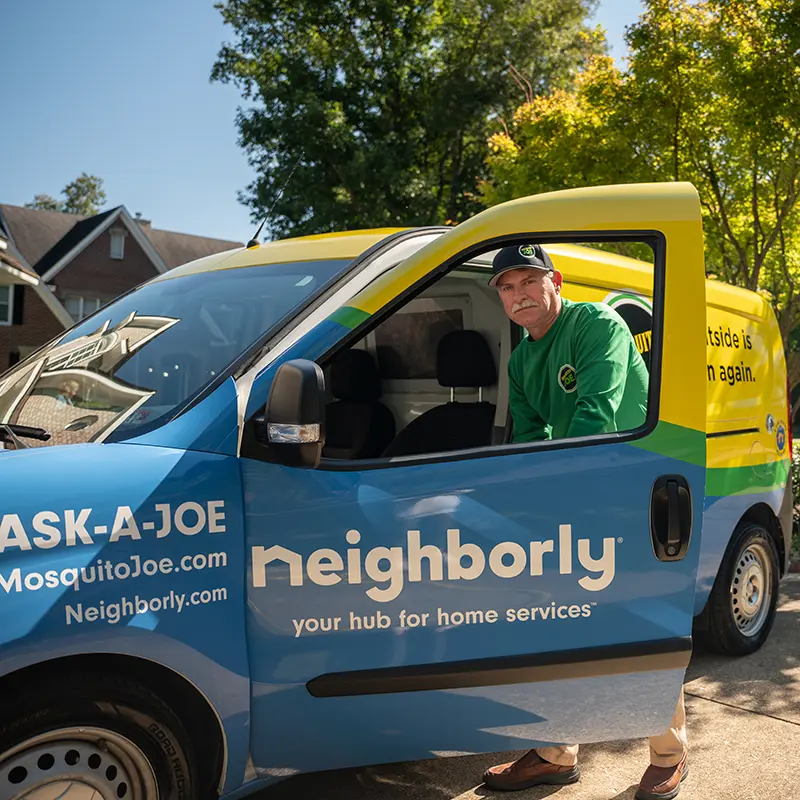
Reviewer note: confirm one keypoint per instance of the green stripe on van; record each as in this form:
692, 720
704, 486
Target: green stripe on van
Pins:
726, 481
689, 446
349, 317
675, 441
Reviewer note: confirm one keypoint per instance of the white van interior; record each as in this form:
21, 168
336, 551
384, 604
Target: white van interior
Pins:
430, 377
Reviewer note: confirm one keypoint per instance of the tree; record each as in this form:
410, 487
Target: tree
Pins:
374, 114
84, 196
709, 96
44, 202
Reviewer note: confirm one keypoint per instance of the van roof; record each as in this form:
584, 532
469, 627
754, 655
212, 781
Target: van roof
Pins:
578, 263
345, 245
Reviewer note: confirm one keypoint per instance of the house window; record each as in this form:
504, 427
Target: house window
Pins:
117, 244
79, 307
6, 311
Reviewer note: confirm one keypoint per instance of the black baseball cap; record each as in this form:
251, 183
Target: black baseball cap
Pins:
520, 257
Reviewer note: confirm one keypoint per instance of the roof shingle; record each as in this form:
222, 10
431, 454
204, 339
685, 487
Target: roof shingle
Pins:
34, 232
179, 248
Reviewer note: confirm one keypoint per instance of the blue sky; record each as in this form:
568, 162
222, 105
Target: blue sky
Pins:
122, 90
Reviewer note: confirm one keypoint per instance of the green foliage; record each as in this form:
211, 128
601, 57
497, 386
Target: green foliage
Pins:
638, 250
44, 202
566, 138
709, 96
83, 196
377, 114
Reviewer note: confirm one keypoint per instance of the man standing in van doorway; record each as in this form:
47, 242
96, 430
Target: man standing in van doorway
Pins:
578, 373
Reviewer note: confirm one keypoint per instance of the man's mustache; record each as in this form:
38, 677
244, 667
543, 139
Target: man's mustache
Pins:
521, 305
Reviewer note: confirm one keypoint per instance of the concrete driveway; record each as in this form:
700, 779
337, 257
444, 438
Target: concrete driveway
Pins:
743, 719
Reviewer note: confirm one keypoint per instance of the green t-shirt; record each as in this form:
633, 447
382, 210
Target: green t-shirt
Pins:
584, 377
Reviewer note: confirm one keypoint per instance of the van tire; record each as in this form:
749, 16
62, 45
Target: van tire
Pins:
750, 554
116, 735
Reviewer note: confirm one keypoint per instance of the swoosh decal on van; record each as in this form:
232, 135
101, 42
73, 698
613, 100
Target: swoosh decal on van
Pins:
726, 481
349, 316
675, 441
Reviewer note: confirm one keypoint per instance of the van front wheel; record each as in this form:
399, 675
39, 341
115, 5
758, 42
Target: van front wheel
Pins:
741, 608
94, 736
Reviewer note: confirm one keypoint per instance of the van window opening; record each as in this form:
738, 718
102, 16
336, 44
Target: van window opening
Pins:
433, 368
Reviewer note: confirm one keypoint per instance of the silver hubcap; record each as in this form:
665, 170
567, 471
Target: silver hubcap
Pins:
77, 764
751, 590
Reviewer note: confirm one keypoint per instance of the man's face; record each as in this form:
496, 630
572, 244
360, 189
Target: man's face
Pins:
529, 295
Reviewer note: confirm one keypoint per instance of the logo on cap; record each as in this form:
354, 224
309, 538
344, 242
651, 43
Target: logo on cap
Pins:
526, 250
567, 379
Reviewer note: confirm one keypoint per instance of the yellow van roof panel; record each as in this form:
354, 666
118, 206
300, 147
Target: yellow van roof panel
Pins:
323, 246
737, 299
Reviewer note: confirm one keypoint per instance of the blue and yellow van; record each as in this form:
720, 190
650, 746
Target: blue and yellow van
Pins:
264, 514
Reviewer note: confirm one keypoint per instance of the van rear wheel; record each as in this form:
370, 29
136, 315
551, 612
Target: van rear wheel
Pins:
742, 605
93, 736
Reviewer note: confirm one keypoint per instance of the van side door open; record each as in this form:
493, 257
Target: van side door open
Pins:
499, 596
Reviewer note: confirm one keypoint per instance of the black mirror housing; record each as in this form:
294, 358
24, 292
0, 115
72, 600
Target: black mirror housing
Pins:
293, 424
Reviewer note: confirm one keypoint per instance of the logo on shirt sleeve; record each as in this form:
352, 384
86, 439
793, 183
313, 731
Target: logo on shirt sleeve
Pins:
567, 379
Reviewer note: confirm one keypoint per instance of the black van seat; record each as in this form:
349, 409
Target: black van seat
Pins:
357, 424
463, 360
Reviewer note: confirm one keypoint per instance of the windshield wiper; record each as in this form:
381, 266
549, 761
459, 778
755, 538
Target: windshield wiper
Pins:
11, 433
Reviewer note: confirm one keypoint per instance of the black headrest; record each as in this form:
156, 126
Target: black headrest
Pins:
354, 376
464, 359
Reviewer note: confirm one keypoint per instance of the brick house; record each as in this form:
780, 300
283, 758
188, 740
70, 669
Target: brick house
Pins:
57, 268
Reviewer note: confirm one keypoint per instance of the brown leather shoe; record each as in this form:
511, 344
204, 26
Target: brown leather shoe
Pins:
528, 770
662, 783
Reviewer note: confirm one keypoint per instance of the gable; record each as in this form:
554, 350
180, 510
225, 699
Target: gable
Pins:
93, 272
71, 239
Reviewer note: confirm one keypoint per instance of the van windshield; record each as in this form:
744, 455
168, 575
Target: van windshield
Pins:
138, 361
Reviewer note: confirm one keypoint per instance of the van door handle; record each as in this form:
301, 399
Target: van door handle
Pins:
671, 517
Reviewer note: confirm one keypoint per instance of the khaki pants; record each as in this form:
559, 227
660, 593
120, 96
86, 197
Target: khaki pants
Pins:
666, 750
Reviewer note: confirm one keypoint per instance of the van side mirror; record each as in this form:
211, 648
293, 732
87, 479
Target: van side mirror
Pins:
293, 424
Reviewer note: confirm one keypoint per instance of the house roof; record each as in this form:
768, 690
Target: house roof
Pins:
12, 265
76, 234
179, 248
44, 237
35, 232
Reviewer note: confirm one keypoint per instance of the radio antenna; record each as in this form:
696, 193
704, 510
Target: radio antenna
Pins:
254, 241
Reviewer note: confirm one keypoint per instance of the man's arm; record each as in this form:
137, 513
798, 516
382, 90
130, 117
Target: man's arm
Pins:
602, 350
528, 425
